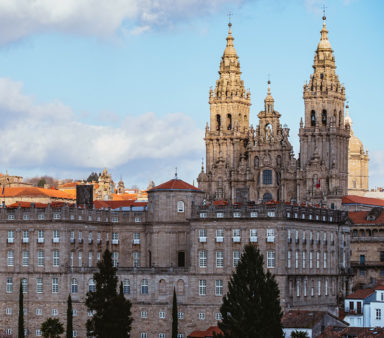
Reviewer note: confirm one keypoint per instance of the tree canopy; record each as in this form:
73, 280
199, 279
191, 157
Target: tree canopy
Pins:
52, 328
251, 308
112, 312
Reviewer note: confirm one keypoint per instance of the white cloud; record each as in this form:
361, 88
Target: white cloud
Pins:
37, 136
103, 18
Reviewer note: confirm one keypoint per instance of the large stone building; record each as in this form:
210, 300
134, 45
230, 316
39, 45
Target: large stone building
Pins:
247, 164
191, 238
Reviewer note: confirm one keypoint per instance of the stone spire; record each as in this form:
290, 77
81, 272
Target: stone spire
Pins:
269, 101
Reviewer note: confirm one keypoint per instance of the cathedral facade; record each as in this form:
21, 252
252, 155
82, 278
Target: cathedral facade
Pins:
247, 164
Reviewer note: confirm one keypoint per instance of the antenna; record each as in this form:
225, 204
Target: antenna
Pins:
176, 173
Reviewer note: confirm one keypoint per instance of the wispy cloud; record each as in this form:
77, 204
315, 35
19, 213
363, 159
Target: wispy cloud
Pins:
102, 18
49, 135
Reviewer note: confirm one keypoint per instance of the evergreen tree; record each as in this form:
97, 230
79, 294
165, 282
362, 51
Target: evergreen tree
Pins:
174, 315
69, 331
251, 308
52, 328
112, 312
21, 312
299, 334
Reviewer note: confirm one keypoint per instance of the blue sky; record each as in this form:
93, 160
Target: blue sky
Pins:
124, 84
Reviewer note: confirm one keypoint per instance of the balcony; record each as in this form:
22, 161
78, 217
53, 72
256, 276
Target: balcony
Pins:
253, 239
219, 239
11, 240
80, 241
40, 240
99, 242
25, 240
202, 239
270, 239
72, 240
90, 241
136, 241
56, 240
115, 241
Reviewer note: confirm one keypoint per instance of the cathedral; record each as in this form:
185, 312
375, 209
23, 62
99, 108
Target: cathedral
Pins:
244, 164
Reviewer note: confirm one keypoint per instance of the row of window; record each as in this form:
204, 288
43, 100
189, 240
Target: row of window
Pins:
236, 235
56, 237
310, 236
236, 254
303, 288
237, 214
25, 261
56, 216
303, 256
38, 332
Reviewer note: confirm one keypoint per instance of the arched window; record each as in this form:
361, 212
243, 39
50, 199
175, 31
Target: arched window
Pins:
268, 108
324, 117
218, 122
126, 287
229, 121
91, 285
267, 176
162, 286
180, 206
256, 162
313, 118
267, 197
144, 287
74, 286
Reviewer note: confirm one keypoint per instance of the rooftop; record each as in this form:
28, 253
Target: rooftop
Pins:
175, 184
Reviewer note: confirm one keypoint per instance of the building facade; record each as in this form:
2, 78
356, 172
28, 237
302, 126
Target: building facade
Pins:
244, 164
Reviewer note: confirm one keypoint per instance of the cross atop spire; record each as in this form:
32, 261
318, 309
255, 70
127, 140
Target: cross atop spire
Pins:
176, 173
229, 16
324, 8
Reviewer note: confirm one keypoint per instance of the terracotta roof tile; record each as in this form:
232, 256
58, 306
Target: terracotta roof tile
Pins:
207, 333
360, 217
33, 192
175, 184
118, 204
360, 294
358, 332
352, 199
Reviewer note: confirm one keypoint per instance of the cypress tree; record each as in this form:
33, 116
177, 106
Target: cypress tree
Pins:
174, 315
112, 312
69, 331
251, 308
21, 312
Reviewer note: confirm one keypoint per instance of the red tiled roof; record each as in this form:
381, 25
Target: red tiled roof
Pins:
358, 332
27, 205
360, 217
302, 318
360, 294
205, 334
352, 199
175, 184
220, 203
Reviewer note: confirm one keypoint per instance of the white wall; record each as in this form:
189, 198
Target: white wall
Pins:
373, 321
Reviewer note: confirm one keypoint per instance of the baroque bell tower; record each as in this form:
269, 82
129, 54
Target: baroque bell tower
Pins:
226, 136
323, 174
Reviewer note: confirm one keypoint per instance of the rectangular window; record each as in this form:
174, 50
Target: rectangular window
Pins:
378, 314
25, 260
326, 287
115, 238
56, 236
311, 260
219, 259
303, 259
180, 315
71, 259
11, 258
325, 260
203, 259
236, 235
289, 259
80, 237
297, 260
202, 235
219, 235
136, 259
317, 260
144, 314
90, 238
126, 287
90, 258
55, 285
218, 287
305, 288
143, 335
40, 236
11, 236
39, 312
162, 314
39, 285
56, 258
8, 311
144, 287
202, 287
319, 288
270, 235
253, 235
9, 285
115, 259
236, 257
267, 176
201, 315
136, 238
25, 236
270, 259
298, 288
81, 258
